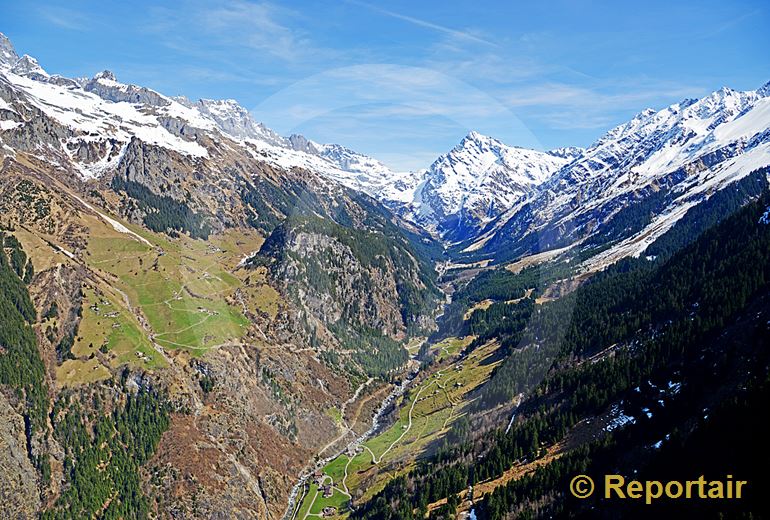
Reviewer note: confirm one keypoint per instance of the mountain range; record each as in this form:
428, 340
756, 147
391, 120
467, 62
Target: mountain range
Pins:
477, 197
202, 318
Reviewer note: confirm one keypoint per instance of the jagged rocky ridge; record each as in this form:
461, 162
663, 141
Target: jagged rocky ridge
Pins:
478, 180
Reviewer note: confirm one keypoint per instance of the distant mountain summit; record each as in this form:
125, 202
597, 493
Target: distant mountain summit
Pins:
8, 56
475, 182
463, 189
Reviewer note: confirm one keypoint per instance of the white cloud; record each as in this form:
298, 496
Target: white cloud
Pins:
388, 91
466, 35
64, 18
570, 106
253, 25
232, 28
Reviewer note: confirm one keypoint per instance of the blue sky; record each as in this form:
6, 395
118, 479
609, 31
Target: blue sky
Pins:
404, 81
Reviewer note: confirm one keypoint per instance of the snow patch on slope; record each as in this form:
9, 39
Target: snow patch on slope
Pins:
117, 226
700, 188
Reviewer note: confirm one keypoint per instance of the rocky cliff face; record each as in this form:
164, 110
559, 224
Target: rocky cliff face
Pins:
333, 284
336, 283
19, 493
363, 284
106, 86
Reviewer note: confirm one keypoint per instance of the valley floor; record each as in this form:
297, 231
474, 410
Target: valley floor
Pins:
434, 400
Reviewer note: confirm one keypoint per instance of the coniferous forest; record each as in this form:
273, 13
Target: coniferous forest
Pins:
678, 330
103, 450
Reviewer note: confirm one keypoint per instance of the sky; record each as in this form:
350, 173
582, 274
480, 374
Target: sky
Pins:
405, 81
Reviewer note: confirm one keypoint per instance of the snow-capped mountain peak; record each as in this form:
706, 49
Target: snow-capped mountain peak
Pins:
680, 155
23, 66
8, 56
478, 156
236, 121
567, 152
477, 180
106, 86
106, 75
303, 144
764, 90
28, 66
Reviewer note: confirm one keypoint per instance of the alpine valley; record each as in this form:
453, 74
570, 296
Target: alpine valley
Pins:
201, 318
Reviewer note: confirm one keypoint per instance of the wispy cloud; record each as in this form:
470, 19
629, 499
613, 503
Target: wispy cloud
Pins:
488, 68
553, 95
392, 90
253, 25
63, 17
569, 106
462, 35
233, 27
550, 94
732, 23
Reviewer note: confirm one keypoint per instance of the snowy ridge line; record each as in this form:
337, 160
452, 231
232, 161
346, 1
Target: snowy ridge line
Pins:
689, 149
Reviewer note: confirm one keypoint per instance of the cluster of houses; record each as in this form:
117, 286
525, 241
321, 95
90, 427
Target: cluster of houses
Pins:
327, 491
319, 479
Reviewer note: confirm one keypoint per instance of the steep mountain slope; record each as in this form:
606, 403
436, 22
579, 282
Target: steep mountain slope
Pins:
139, 213
632, 184
639, 370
